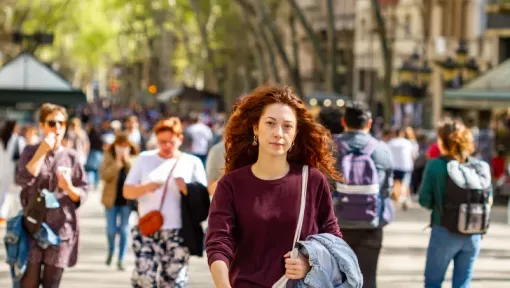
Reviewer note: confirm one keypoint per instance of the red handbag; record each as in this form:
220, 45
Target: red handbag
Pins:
151, 222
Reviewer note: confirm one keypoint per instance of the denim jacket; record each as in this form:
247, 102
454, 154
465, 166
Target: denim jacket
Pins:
17, 245
334, 264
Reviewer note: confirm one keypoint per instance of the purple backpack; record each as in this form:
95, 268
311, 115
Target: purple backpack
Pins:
359, 203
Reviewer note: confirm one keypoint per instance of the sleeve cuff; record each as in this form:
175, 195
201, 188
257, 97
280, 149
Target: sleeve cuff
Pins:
218, 256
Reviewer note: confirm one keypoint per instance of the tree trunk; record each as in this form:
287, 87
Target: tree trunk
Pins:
316, 44
269, 25
295, 49
259, 50
332, 75
388, 61
209, 62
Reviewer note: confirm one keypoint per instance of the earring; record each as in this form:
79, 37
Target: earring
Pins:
254, 143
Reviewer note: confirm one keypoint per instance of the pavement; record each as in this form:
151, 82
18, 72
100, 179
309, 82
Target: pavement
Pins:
401, 263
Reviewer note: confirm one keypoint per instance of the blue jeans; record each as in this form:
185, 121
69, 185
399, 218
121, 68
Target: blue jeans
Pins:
123, 229
93, 178
445, 246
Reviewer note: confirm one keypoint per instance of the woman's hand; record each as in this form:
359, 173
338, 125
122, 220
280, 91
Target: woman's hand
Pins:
296, 269
181, 184
64, 182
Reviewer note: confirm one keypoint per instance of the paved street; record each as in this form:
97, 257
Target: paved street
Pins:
401, 263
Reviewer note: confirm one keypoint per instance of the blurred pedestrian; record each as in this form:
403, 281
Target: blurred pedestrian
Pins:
95, 157
403, 153
215, 165
9, 156
166, 182
50, 166
457, 189
114, 169
201, 137
364, 204
132, 128
78, 139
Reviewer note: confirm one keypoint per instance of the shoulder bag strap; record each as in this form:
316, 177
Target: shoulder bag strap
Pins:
166, 184
301, 210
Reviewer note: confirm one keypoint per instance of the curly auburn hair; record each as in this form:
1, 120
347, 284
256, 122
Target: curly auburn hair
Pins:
312, 145
457, 140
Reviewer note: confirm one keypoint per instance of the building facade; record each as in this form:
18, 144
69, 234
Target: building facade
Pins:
314, 78
431, 29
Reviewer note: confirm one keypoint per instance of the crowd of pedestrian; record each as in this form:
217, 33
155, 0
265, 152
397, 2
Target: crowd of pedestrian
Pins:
276, 178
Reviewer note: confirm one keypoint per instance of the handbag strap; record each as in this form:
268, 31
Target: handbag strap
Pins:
166, 183
302, 206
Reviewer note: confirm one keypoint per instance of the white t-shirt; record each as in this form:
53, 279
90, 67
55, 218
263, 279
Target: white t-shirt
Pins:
402, 151
135, 137
189, 167
201, 135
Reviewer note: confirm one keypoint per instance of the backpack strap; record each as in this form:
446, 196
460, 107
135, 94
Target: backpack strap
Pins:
368, 149
370, 146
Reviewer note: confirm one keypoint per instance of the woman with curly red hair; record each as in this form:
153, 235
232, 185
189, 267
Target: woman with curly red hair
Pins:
254, 213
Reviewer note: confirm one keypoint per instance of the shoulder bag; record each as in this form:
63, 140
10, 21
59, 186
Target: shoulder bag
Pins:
282, 283
151, 222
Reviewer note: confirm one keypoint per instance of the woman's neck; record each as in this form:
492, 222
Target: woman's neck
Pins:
175, 154
270, 168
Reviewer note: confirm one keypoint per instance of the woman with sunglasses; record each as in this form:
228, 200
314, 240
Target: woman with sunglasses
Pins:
48, 165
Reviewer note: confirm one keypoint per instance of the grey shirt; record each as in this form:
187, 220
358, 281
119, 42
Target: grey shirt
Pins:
215, 164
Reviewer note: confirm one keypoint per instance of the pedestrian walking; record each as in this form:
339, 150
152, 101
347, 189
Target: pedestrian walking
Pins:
9, 156
215, 165
403, 151
364, 201
457, 189
201, 137
171, 189
255, 209
114, 169
78, 139
51, 166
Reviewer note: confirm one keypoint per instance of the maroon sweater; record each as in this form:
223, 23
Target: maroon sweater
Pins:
252, 222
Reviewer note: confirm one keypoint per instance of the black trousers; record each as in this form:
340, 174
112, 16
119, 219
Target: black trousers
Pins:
366, 244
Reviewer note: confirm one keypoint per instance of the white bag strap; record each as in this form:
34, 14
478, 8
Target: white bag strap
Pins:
302, 208
282, 282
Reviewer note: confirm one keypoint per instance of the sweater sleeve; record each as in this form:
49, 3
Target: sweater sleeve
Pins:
219, 241
326, 218
426, 196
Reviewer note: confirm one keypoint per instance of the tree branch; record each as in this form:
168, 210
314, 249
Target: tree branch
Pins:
309, 31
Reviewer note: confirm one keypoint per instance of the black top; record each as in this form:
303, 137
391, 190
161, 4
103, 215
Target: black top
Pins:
120, 200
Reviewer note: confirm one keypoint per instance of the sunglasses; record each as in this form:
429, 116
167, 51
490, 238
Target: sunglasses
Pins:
53, 123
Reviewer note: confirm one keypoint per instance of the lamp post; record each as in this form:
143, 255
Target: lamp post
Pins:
414, 78
459, 71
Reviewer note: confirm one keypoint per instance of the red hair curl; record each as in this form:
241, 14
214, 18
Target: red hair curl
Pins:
312, 145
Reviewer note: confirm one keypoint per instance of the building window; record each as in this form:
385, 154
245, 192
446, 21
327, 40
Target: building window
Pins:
407, 26
362, 29
361, 80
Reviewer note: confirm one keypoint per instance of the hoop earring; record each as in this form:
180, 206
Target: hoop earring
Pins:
254, 143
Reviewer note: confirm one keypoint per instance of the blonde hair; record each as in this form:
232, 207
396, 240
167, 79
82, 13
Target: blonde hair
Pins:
172, 124
457, 140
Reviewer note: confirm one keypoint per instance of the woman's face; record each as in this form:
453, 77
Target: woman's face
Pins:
121, 148
168, 143
55, 123
276, 129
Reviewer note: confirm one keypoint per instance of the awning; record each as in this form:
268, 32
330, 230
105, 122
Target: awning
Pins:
185, 92
32, 99
25, 83
490, 90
